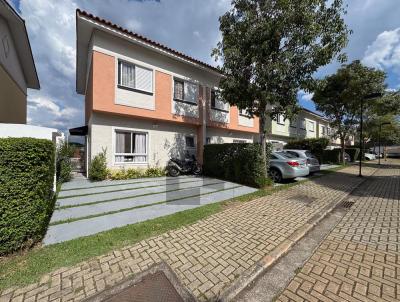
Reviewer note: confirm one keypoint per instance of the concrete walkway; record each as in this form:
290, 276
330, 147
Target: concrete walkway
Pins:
86, 208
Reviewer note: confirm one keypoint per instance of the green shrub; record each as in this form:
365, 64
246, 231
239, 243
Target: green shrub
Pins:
132, 173
353, 152
241, 163
64, 166
155, 172
331, 156
26, 196
315, 145
98, 167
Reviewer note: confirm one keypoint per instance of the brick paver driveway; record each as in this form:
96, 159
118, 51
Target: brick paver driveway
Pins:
208, 255
360, 258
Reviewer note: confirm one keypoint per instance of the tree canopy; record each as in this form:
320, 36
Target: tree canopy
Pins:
339, 97
271, 48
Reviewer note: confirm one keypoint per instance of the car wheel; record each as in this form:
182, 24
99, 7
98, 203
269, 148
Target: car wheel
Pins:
174, 172
275, 175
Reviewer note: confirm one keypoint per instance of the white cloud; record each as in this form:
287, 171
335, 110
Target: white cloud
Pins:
384, 52
305, 96
190, 26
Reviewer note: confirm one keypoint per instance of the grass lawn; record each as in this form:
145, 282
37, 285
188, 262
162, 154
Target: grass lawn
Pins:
27, 267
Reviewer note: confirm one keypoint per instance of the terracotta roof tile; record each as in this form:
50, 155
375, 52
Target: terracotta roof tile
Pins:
144, 39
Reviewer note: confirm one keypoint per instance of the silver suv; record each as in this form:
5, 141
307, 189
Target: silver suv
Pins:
284, 165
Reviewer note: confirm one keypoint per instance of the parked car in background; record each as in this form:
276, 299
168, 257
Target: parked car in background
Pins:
311, 160
369, 156
347, 157
284, 165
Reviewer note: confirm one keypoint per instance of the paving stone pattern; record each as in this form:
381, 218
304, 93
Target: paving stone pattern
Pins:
360, 258
208, 255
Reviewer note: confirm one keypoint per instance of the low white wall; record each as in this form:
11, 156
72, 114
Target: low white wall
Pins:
22, 130
222, 136
165, 140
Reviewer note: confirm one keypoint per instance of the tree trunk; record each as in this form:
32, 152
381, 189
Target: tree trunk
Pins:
342, 150
263, 137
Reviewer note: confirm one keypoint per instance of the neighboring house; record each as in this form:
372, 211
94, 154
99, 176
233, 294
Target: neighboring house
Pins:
306, 124
17, 67
145, 102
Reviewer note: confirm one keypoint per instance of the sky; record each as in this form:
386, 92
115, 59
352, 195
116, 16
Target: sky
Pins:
190, 26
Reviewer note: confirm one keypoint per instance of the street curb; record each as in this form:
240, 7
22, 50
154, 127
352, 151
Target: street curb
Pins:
251, 274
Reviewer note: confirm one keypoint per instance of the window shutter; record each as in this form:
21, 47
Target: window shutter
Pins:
144, 79
190, 92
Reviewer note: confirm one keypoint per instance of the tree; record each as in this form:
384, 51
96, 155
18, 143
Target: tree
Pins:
339, 97
390, 131
271, 48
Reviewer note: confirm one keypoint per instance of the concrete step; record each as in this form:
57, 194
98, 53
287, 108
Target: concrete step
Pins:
112, 186
85, 183
132, 191
85, 227
117, 205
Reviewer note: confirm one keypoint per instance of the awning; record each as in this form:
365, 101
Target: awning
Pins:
79, 131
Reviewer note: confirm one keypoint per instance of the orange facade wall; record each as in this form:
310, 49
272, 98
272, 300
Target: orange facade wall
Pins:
100, 96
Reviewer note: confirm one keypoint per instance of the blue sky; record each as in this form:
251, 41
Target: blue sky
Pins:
190, 26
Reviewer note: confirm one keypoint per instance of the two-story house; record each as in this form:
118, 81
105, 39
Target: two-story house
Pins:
17, 67
306, 124
145, 102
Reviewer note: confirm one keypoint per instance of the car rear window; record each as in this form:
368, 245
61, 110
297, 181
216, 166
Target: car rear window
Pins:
286, 154
309, 154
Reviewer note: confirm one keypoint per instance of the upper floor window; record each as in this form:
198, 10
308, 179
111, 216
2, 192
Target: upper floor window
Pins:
303, 124
293, 122
134, 77
218, 104
311, 126
280, 119
185, 91
244, 113
323, 130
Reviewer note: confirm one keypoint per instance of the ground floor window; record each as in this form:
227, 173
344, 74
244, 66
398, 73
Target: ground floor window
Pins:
130, 146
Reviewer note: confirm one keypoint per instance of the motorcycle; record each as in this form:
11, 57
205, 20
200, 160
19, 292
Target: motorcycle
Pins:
189, 165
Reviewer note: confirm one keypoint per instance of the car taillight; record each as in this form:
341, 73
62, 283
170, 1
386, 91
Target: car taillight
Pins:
293, 163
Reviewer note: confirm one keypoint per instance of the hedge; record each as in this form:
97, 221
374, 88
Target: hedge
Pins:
241, 163
353, 152
315, 145
26, 197
331, 156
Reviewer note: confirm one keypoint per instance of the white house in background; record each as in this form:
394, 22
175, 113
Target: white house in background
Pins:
17, 67
306, 124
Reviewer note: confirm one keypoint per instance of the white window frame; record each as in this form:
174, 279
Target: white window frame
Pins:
119, 77
311, 129
293, 122
280, 119
303, 124
114, 146
185, 82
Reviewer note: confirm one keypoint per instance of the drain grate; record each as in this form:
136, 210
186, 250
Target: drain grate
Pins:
158, 283
152, 288
346, 204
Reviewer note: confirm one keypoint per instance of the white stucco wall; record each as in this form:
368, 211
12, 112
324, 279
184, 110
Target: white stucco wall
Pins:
22, 130
165, 140
8, 56
221, 136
